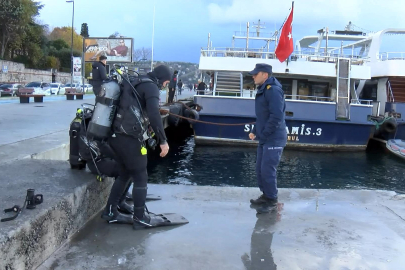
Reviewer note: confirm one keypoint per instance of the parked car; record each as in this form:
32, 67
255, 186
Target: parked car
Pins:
87, 87
9, 89
38, 87
6, 90
55, 88
74, 85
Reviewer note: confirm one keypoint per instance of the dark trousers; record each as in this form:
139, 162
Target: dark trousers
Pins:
268, 158
171, 94
132, 167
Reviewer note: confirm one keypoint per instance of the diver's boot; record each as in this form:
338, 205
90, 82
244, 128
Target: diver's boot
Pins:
111, 215
128, 197
151, 220
262, 199
125, 208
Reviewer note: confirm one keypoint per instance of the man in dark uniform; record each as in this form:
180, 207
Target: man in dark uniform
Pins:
99, 74
172, 87
270, 130
128, 143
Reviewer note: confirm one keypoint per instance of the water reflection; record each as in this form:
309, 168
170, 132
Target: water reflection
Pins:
235, 166
261, 256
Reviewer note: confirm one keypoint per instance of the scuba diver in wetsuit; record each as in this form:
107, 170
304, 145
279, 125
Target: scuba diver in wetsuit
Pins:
138, 106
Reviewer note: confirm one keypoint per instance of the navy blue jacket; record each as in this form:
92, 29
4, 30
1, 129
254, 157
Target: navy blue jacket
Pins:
270, 128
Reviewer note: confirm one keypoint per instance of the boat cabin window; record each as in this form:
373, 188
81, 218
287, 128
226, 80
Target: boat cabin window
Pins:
287, 87
316, 91
369, 91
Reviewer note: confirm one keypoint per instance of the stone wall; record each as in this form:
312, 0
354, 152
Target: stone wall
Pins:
17, 73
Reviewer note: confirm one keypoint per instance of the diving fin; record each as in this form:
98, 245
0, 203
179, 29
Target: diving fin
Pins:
149, 197
158, 220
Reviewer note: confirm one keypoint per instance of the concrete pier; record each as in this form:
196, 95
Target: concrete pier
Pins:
311, 229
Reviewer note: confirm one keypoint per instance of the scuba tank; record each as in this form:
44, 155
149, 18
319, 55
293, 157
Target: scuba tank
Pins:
104, 113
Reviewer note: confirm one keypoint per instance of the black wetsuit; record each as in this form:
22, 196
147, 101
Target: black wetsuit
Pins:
99, 75
127, 143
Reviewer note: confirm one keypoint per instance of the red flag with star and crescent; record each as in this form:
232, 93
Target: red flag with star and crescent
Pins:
285, 45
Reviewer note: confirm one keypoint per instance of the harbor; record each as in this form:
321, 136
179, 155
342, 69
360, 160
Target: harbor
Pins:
325, 211
278, 146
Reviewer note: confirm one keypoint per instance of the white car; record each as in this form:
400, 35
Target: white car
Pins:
87, 87
55, 88
74, 85
39, 87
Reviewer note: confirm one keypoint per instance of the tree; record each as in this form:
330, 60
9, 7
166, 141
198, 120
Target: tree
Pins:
15, 17
142, 54
65, 33
114, 35
58, 44
85, 30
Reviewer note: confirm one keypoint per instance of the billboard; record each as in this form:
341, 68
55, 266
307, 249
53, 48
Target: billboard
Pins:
77, 69
116, 49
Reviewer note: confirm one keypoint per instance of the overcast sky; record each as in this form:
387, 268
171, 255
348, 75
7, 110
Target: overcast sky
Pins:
182, 26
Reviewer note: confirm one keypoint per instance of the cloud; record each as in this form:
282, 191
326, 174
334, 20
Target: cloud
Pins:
374, 14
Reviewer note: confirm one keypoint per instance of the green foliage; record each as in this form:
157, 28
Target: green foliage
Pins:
85, 30
58, 44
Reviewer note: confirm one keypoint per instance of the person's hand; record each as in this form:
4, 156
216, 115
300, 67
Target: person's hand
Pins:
252, 136
165, 149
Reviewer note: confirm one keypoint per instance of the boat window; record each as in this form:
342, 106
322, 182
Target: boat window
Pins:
308, 90
290, 114
369, 92
287, 87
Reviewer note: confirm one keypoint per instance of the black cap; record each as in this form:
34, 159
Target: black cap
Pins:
175, 72
162, 73
261, 67
103, 57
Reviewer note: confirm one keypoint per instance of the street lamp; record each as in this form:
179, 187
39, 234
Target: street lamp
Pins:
71, 49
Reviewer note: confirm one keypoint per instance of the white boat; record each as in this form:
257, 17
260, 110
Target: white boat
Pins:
397, 147
333, 92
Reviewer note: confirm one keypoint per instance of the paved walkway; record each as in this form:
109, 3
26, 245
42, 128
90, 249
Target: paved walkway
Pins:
312, 229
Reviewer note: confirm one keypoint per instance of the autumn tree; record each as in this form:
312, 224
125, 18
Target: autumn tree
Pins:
65, 33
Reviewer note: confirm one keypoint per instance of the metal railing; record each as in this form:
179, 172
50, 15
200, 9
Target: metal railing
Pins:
376, 104
391, 56
297, 56
390, 94
309, 98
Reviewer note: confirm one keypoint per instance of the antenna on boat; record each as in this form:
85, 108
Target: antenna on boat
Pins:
259, 26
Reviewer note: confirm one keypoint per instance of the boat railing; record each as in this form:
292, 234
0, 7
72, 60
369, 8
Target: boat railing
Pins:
309, 98
263, 54
391, 56
376, 104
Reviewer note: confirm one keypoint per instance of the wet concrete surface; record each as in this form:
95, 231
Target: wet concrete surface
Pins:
70, 197
312, 229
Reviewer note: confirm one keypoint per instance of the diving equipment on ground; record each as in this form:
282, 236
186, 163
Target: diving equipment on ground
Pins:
31, 201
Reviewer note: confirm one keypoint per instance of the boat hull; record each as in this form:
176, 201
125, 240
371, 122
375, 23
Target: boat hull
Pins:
304, 134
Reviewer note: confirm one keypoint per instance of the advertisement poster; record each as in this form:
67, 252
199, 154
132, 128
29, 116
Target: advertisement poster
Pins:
116, 49
77, 69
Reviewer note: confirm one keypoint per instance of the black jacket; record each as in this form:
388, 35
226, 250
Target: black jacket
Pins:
149, 100
173, 81
99, 74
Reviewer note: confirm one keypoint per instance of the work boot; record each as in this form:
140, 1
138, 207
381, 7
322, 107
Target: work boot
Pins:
125, 208
269, 206
111, 215
262, 199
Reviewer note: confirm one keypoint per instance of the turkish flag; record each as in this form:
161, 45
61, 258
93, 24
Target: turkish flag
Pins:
285, 45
